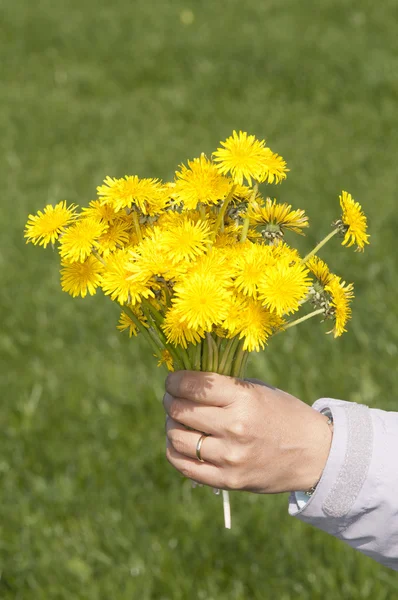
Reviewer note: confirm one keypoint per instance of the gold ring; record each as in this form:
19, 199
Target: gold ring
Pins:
199, 446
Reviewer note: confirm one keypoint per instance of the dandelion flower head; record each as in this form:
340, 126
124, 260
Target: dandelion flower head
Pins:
354, 221
283, 287
79, 240
341, 295
243, 157
46, 226
200, 182
80, 278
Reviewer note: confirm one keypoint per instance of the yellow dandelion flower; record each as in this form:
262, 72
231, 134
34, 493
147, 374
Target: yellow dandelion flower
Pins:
220, 332
177, 332
128, 220
241, 193
233, 319
257, 325
284, 252
129, 191
127, 323
147, 257
225, 239
186, 240
341, 294
46, 226
81, 238
116, 237
172, 218
274, 168
201, 301
150, 257
117, 283
254, 236
214, 264
159, 201
98, 210
283, 286
249, 266
161, 299
277, 217
200, 182
245, 157
229, 236
78, 278
242, 156
320, 270
166, 359
354, 222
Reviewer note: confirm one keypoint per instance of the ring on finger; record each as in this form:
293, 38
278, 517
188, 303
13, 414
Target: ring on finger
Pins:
199, 446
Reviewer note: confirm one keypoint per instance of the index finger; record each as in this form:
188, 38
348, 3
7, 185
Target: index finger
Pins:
206, 388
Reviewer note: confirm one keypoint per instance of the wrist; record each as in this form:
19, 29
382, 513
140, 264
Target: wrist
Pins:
318, 453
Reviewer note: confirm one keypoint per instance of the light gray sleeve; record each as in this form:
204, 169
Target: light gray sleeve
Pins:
356, 499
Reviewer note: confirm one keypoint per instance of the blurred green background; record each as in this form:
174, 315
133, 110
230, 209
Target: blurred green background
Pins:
89, 507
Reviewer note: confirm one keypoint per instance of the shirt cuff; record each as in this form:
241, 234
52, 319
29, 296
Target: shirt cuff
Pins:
345, 470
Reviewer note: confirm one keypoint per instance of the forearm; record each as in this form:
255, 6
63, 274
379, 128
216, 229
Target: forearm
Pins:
356, 499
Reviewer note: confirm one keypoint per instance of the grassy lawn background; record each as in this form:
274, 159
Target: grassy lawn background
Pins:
89, 507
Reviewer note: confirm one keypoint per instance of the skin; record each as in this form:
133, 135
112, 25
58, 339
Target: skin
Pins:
260, 439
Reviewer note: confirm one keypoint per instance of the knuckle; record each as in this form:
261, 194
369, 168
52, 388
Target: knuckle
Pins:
235, 457
176, 441
189, 384
187, 471
239, 428
233, 481
174, 409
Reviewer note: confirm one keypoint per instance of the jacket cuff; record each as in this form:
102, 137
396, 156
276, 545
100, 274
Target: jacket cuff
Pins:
345, 471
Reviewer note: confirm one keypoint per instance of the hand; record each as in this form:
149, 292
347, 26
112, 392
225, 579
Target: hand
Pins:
261, 439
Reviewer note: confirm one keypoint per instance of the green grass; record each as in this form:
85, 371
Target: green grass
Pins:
89, 507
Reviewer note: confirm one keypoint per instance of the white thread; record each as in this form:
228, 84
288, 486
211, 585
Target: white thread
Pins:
227, 509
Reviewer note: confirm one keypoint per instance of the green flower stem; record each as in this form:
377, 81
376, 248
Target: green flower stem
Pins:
155, 331
228, 356
215, 355
245, 229
238, 360
137, 226
202, 211
302, 319
155, 314
246, 222
185, 360
242, 371
191, 351
179, 355
221, 214
152, 323
168, 295
319, 246
143, 330
205, 355
98, 256
198, 356
225, 354
210, 353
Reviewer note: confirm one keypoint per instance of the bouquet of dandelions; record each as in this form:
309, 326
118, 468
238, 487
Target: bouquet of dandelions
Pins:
200, 266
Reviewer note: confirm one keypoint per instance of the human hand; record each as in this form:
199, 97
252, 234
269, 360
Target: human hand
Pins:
260, 439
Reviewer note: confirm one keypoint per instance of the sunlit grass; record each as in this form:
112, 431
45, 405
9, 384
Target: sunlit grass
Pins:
89, 507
